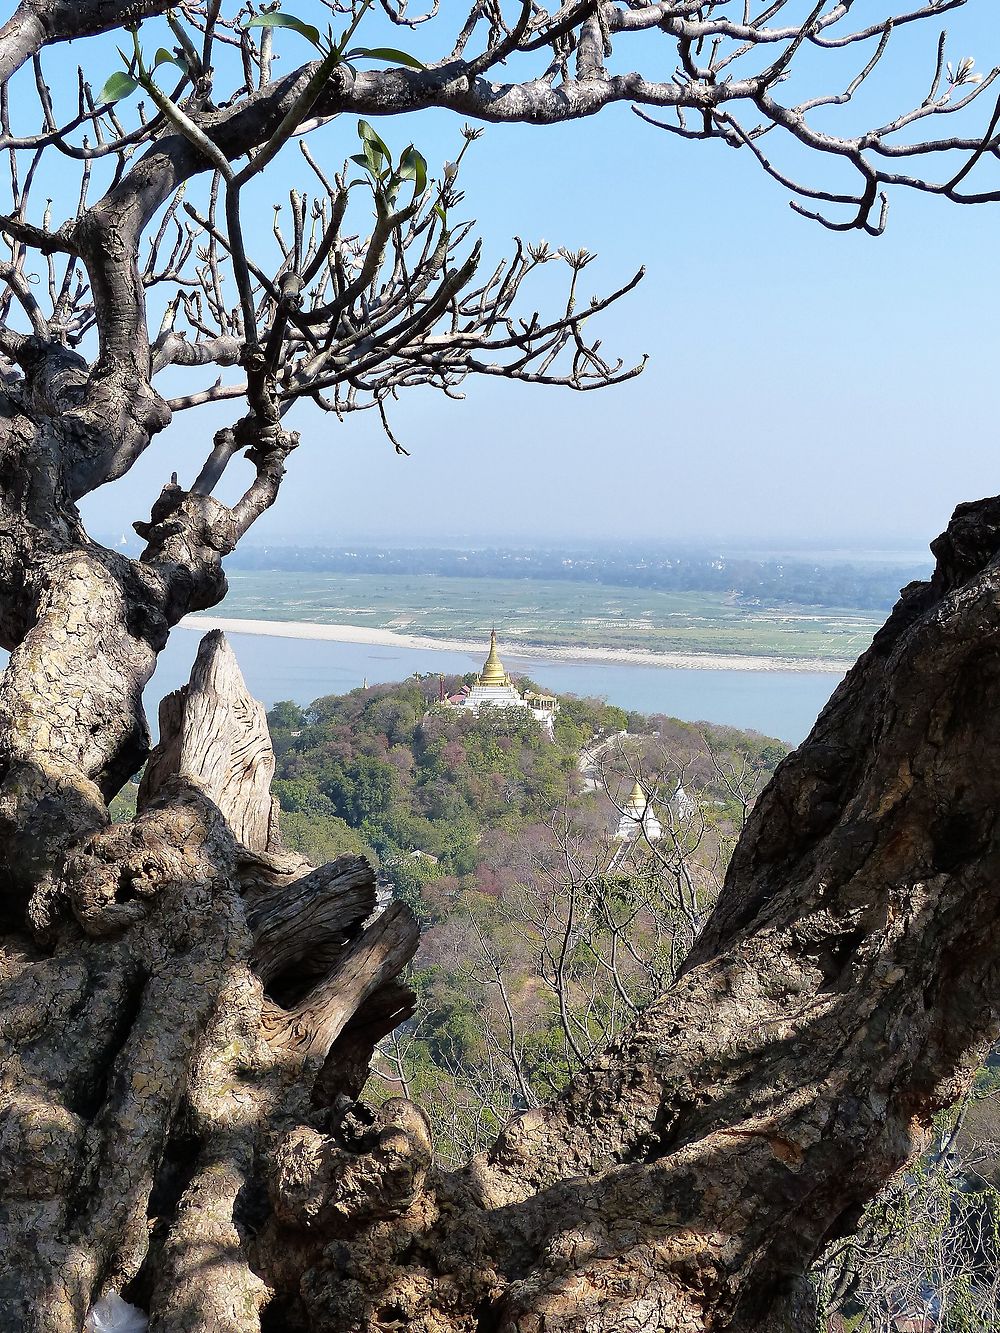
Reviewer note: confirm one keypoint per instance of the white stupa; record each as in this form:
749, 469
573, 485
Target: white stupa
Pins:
680, 805
638, 819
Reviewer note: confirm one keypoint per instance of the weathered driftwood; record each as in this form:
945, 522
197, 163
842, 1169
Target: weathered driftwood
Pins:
213, 735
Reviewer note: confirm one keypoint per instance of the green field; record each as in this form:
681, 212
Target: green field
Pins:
556, 613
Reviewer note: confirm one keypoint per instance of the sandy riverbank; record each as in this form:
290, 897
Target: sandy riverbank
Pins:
300, 629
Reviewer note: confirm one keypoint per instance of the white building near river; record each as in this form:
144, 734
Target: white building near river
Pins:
494, 688
639, 820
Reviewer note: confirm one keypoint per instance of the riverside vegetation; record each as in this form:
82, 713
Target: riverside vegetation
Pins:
691, 613
870, 584
532, 954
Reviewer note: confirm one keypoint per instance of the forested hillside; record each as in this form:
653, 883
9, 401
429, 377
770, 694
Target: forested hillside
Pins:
533, 953
543, 937
388, 771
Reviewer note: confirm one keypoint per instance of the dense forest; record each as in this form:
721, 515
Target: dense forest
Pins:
800, 581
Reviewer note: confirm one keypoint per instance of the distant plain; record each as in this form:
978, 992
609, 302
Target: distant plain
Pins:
559, 614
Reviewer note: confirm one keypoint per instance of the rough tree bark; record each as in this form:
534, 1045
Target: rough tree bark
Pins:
182, 1065
147, 1070
186, 1010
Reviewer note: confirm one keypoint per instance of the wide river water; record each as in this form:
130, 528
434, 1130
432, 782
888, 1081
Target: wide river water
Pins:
778, 703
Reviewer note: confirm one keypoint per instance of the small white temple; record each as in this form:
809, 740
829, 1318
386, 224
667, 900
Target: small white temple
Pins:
494, 687
638, 819
680, 805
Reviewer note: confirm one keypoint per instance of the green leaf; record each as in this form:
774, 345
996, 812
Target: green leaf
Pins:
165, 57
389, 53
368, 136
280, 20
361, 160
413, 167
118, 86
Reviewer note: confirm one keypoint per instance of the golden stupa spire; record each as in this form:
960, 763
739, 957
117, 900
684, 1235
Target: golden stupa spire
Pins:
493, 672
637, 800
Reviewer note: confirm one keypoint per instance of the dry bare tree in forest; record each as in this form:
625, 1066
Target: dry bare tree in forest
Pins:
927, 1250
187, 1010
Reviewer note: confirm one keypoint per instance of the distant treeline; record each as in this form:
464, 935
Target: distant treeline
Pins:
801, 582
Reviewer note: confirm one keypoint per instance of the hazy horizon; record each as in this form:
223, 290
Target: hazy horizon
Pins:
804, 386
732, 546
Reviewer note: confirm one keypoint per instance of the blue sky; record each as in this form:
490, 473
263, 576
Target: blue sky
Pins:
801, 385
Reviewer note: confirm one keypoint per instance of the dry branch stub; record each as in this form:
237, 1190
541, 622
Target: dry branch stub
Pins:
213, 735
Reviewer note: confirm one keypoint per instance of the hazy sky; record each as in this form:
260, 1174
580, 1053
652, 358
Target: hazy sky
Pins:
801, 384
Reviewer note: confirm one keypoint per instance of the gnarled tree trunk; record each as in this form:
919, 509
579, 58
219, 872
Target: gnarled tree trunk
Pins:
199, 981
184, 1052
187, 1011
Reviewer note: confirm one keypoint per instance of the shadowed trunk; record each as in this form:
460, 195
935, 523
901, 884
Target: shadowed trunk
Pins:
179, 1114
147, 1072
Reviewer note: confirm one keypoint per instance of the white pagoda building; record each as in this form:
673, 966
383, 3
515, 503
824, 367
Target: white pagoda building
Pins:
494, 687
638, 819
680, 805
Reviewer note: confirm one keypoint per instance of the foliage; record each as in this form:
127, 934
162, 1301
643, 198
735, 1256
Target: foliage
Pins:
322, 838
928, 1247
534, 953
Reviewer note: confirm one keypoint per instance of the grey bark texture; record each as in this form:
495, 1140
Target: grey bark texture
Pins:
182, 1060
147, 1074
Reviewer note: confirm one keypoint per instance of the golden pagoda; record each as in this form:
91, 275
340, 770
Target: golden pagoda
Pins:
495, 688
638, 819
493, 672
636, 803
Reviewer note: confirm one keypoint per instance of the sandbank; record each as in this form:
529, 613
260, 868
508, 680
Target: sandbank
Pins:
301, 629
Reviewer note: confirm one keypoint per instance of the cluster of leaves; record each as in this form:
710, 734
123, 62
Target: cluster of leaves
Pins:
334, 51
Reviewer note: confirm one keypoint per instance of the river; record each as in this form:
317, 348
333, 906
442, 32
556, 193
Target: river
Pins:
776, 703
